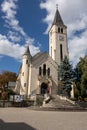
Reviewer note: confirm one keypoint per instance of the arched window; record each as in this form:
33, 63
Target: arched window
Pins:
44, 69
24, 84
26, 61
40, 71
51, 50
48, 71
23, 74
59, 30
61, 52
55, 54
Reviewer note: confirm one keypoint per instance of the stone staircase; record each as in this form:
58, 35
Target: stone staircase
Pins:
56, 102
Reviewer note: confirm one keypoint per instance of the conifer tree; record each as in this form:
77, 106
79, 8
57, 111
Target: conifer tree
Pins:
66, 76
82, 76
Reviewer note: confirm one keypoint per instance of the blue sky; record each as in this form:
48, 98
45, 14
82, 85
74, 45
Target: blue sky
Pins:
27, 22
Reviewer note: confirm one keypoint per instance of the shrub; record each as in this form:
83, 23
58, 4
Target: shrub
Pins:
4, 95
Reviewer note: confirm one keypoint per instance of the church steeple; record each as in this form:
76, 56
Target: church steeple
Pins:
58, 47
57, 19
27, 52
27, 55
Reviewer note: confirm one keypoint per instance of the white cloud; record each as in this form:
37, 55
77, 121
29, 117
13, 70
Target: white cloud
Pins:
14, 50
9, 9
10, 49
14, 36
50, 6
9, 44
78, 47
74, 15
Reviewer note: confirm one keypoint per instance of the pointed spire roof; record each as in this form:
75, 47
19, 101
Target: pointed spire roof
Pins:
27, 52
57, 19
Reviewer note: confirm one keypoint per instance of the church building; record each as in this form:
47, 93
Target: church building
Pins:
38, 74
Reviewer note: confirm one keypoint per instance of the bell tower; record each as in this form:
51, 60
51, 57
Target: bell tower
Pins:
25, 72
58, 47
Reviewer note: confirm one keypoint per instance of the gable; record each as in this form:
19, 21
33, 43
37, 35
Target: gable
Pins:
39, 59
43, 58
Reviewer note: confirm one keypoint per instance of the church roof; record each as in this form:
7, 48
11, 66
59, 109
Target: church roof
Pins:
57, 19
41, 58
38, 56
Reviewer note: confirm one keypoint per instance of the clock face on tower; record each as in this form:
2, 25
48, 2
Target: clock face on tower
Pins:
61, 38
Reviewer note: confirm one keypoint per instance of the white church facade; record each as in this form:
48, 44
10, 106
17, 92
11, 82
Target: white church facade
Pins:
38, 74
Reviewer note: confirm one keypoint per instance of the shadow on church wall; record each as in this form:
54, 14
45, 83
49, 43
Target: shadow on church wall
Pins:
15, 126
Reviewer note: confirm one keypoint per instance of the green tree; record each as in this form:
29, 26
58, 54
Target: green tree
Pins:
82, 76
84, 85
66, 76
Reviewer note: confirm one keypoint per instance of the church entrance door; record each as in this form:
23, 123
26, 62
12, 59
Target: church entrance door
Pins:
44, 88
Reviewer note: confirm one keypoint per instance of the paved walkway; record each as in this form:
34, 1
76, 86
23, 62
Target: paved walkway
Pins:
25, 119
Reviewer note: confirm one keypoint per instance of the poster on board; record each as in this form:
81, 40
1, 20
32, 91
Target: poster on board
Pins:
18, 98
